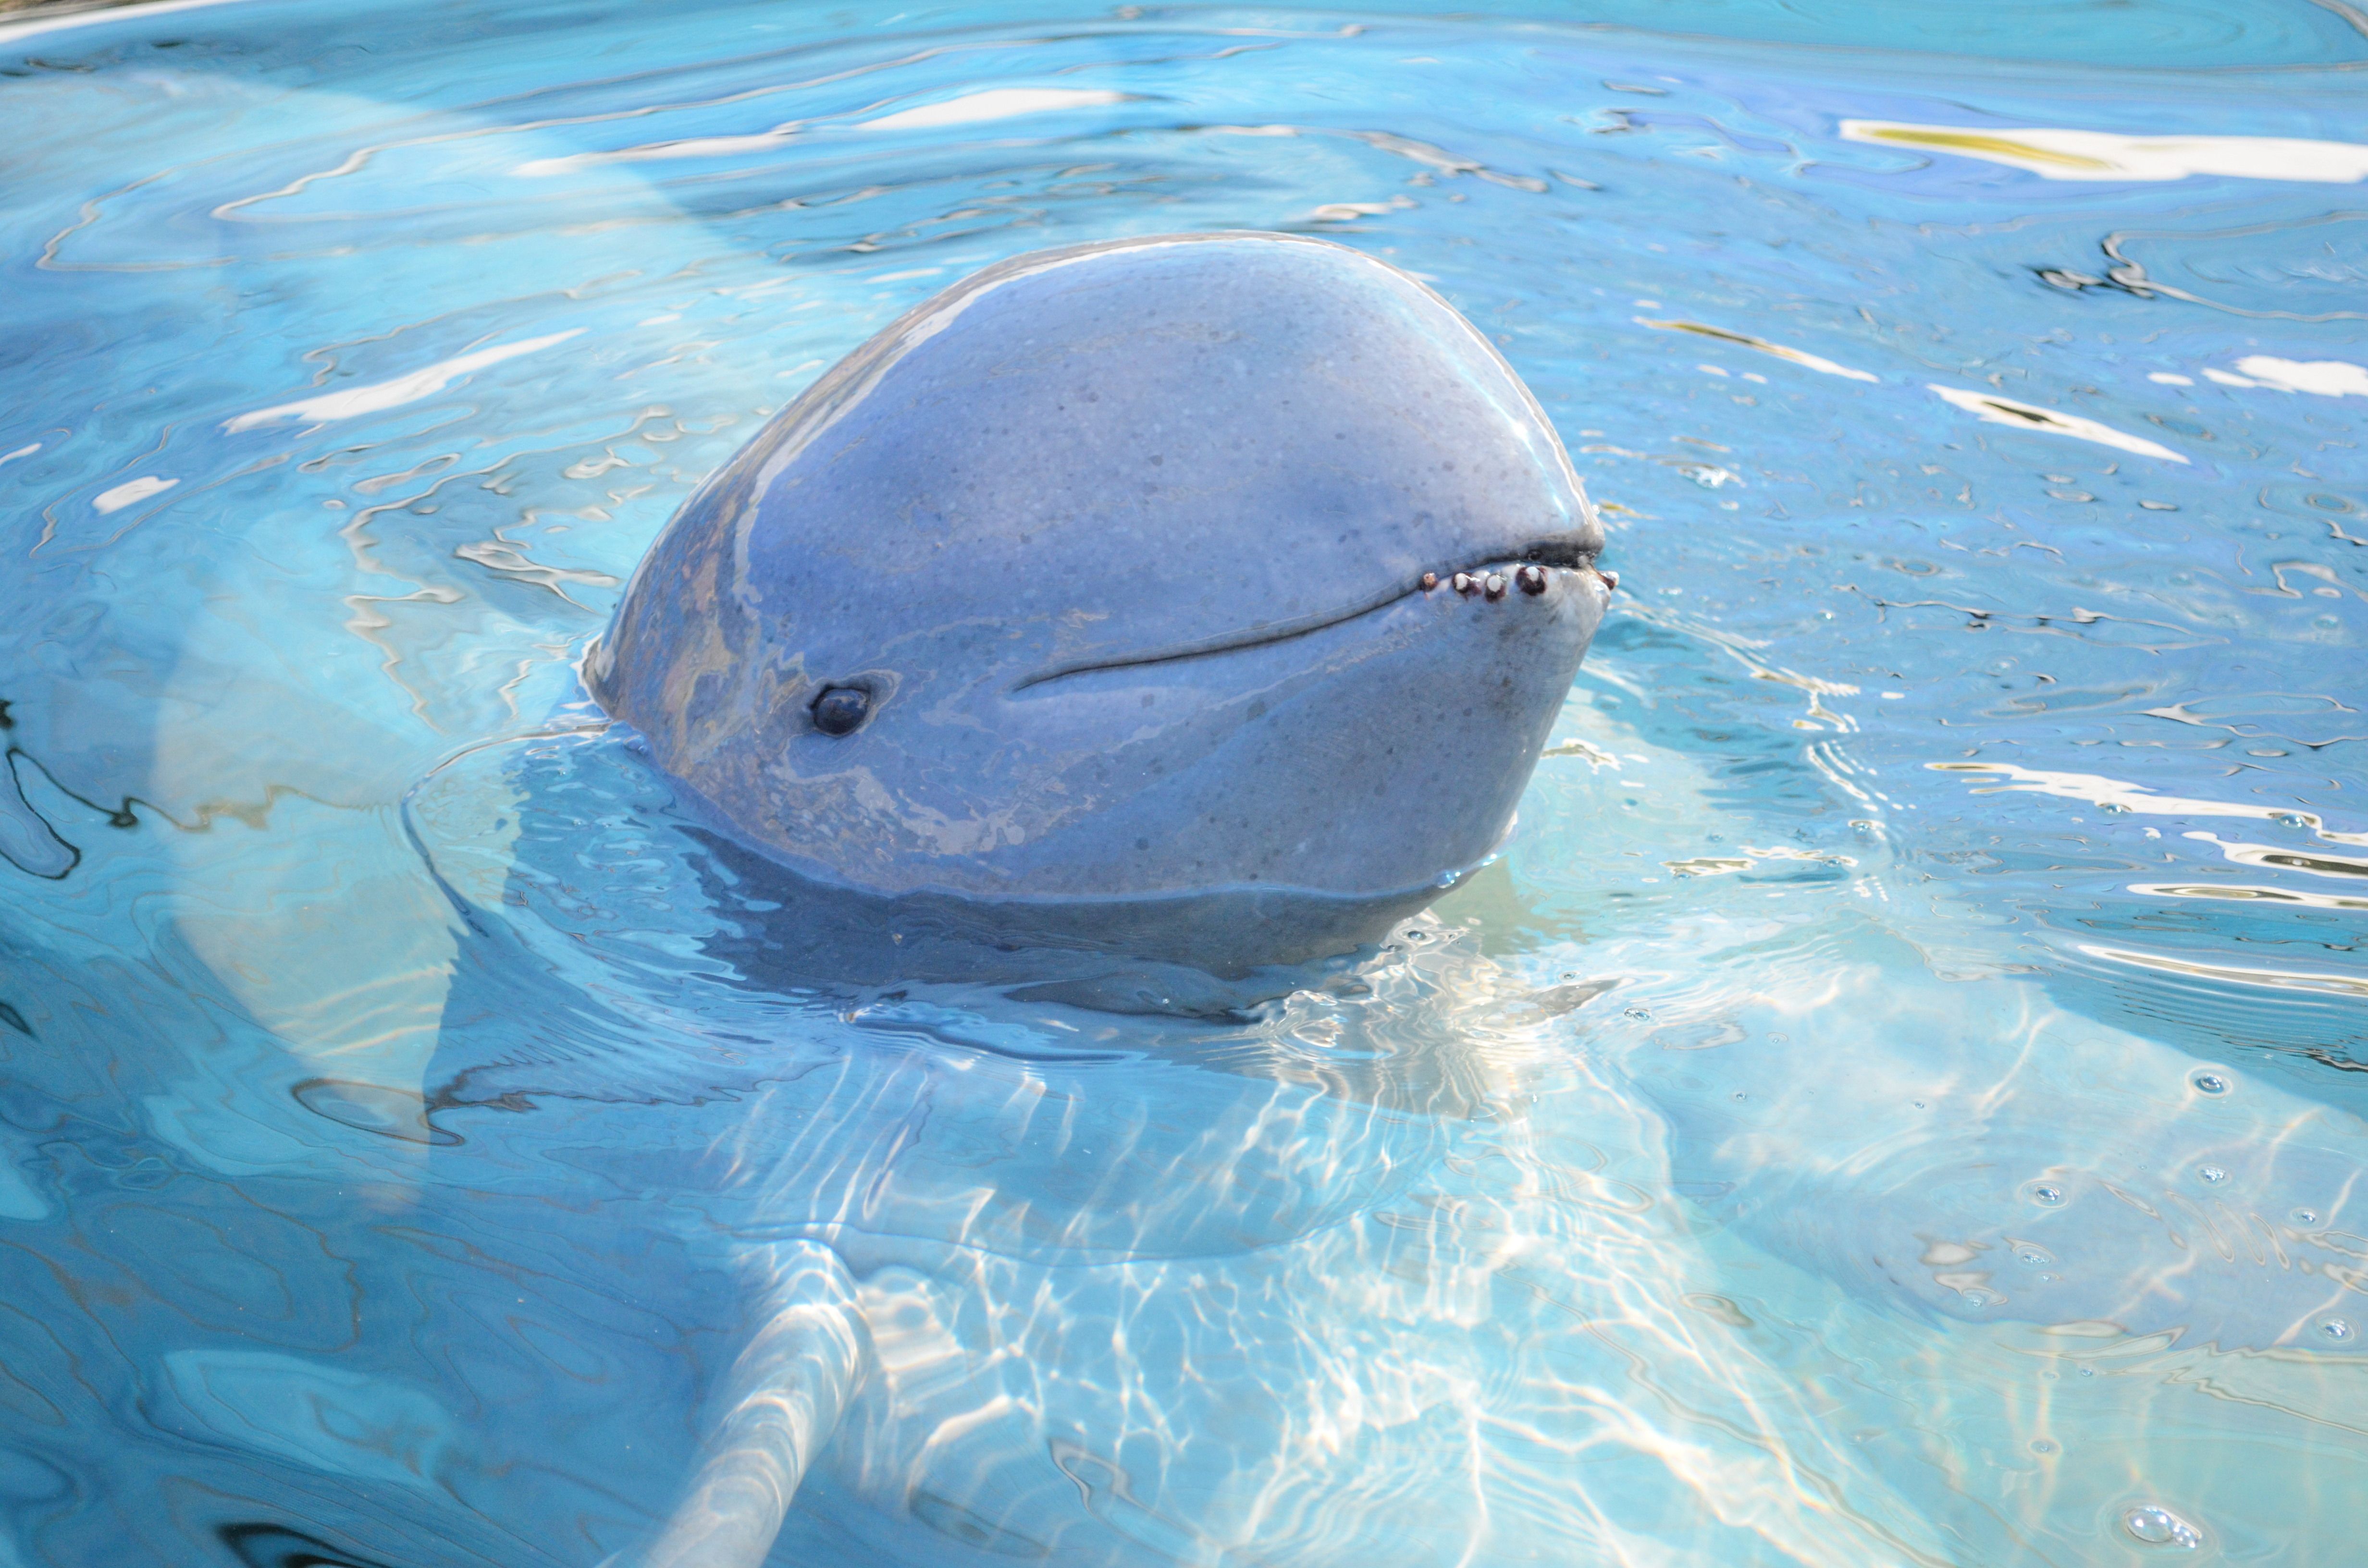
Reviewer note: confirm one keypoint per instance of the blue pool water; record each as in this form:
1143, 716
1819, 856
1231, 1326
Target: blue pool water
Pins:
1895, 1100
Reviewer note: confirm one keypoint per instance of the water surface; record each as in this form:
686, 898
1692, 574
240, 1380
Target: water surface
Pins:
1895, 1100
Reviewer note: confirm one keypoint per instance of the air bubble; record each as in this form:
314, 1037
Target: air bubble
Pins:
2045, 1196
2211, 1173
2304, 1216
2209, 1084
2034, 1257
2161, 1527
2340, 1330
1638, 1013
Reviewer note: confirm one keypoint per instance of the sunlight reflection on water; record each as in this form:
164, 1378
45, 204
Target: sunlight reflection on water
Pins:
1897, 1099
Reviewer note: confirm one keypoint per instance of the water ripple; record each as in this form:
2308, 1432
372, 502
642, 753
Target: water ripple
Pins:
1898, 1101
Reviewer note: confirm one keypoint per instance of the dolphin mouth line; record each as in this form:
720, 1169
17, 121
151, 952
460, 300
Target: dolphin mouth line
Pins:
1555, 551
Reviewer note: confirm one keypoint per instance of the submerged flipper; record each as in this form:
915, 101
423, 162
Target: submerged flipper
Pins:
782, 1403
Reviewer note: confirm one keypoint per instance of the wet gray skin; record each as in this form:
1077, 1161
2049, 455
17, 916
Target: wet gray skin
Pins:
1094, 589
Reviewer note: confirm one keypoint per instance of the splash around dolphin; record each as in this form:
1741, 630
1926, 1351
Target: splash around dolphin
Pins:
1206, 596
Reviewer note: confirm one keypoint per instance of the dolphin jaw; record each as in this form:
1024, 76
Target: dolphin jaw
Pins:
1572, 553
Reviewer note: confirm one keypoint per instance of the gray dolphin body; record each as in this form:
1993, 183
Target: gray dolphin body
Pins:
1116, 590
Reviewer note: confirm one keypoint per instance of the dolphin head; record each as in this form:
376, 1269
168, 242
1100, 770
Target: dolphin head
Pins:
1147, 568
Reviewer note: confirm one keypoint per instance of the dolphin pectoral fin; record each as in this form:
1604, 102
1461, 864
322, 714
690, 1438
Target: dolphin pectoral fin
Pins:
782, 1401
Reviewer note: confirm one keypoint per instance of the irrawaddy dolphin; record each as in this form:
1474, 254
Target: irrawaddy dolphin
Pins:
1114, 594
1103, 602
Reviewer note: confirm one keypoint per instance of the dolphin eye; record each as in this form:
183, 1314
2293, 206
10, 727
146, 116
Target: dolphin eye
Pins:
841, 709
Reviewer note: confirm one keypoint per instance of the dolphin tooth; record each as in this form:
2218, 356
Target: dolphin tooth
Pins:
1429, 581
1610, 579
1464, 582
1532, 579
1494, 585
